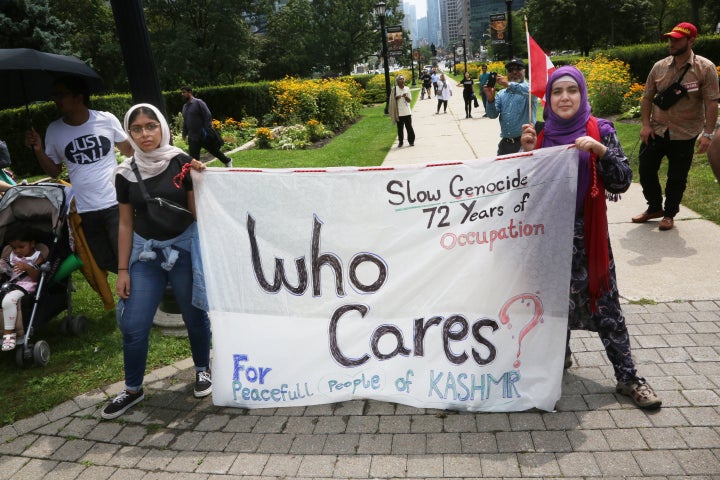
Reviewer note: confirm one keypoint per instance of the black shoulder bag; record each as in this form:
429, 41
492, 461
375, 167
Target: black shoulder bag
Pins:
669, 96
168, 215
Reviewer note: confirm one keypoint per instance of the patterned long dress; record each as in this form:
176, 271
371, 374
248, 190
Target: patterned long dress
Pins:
608, 319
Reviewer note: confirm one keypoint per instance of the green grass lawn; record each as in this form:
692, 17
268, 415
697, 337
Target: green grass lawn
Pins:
80, 364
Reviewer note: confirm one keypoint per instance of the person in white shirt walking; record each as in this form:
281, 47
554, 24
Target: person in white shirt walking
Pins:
443, 93
400, 111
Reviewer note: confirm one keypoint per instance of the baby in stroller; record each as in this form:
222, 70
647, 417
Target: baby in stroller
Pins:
20, 267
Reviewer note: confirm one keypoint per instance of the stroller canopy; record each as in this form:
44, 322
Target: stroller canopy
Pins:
44, 206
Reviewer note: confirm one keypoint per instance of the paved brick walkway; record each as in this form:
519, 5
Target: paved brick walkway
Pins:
593, 433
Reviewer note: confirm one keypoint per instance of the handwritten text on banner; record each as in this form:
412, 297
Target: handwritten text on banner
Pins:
440, 286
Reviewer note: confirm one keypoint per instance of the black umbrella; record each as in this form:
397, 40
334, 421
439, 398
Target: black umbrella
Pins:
27, 75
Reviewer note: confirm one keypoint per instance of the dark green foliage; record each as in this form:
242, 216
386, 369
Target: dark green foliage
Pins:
31, 24
322, 36
234, 101
206, 42
641, 58
93, 37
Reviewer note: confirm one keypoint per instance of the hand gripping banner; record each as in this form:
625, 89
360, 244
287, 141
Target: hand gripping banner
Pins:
436, 286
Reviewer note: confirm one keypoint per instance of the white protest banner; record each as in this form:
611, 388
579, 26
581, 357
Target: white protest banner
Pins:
435, 286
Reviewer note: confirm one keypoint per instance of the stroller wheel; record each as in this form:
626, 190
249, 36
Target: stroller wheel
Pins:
21, 359
77, 325
41, 353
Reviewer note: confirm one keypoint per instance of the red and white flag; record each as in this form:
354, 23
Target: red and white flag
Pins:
540, 68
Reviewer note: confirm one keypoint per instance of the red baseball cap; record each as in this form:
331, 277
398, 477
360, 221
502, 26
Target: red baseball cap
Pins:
683, 29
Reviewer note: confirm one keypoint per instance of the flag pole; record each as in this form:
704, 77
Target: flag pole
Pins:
527, 42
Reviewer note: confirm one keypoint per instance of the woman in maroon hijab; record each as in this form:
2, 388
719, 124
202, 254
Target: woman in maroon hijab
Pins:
602, 167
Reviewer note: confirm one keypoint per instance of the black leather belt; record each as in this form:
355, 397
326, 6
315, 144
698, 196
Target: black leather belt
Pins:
511, 140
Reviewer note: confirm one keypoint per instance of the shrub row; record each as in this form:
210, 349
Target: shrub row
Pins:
641, 58
237, 101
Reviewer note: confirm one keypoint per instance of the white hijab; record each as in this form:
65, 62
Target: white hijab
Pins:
151, 163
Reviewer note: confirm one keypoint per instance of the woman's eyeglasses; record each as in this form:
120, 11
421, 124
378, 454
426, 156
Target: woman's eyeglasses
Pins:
137, 130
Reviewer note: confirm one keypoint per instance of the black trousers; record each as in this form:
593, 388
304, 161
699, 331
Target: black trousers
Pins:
194, 147
405, 123
101, 233
679, 154
468, 104
509, 145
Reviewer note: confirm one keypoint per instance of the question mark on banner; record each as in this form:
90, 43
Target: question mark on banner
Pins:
537, 317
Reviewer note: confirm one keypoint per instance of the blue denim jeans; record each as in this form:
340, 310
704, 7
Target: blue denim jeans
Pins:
135, 315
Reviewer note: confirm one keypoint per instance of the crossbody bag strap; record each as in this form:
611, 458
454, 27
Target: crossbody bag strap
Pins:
687, 67
140, 182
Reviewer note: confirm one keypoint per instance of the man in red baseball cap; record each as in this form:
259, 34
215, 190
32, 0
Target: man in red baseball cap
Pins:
678, 107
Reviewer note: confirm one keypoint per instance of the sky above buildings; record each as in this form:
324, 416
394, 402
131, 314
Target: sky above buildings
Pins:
420, 7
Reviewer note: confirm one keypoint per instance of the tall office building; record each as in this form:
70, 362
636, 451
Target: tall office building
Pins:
409, 23
434, 22
453, 18
444, 24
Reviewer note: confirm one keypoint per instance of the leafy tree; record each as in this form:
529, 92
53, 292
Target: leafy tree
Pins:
319, 35
667, 14
711, 13
288, 48
203, 42
347, 31
575, 24
31, 24
93, 35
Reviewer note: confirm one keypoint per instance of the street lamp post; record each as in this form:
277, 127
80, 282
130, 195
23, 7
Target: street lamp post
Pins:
508, 4
454, 70
464, 52
380, 12
412, 66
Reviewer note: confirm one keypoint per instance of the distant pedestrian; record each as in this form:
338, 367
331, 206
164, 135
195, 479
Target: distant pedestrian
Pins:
443, 93
197, 127
511, 105
400, 111
670, 130
482, 80
435, 78
468, 93
426, 85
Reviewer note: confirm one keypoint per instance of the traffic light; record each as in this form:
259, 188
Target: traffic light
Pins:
433, 50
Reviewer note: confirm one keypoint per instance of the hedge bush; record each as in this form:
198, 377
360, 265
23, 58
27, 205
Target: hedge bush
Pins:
641, 58
250, 99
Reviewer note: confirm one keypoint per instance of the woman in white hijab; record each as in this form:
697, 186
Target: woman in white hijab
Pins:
150, 256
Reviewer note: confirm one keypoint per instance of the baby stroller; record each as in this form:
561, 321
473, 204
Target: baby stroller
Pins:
43, 207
